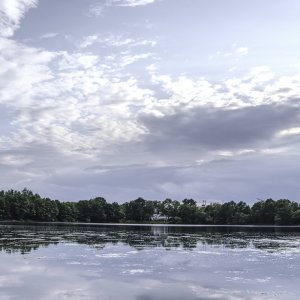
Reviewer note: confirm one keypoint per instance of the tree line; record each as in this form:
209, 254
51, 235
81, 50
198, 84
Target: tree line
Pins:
27, 206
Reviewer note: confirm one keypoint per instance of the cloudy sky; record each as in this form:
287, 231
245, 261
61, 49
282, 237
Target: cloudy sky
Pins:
151, 98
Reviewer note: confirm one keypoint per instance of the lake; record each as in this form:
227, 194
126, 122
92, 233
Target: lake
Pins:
116, 262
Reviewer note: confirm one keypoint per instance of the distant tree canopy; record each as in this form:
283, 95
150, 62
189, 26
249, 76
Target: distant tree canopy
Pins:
27, 206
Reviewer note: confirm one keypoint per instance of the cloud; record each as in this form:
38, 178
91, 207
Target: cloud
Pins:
49, 35
236, 53
129, 3
123, 51
290, 131
258, 87
98, 9
242, 50
67, 107
219, 129
22, 69
11, 13
78, 106
114, 41
132, 58
78, 121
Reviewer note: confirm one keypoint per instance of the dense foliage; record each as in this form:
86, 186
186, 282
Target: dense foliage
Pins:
27, 206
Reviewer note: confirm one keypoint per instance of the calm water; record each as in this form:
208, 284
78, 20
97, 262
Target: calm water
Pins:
148, 263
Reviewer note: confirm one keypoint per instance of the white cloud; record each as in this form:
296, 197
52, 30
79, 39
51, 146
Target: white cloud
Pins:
261, 74
290, 131
49, 35
129, 59
242, 50
11, 13
130, 3
22, 69
235, 52
114, 41
66, 107
89, 40
79, 105
98, 9
260, 86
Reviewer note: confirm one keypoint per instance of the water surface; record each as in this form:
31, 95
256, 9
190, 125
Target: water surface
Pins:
148, 262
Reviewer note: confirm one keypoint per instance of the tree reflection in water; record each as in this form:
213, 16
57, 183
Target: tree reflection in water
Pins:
25, 238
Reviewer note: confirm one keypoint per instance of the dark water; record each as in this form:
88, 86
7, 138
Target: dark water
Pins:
148, 263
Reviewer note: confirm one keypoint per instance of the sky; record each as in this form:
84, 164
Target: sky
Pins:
150, 98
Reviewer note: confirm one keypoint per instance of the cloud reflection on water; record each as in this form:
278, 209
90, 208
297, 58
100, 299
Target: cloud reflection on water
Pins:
219, 265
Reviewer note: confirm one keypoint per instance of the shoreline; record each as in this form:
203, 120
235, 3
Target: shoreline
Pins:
7, 222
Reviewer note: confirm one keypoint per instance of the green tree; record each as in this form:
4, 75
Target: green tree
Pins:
295, 218
283, 212
138, 210
189, 212
263, 212
212, 212
170, 208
